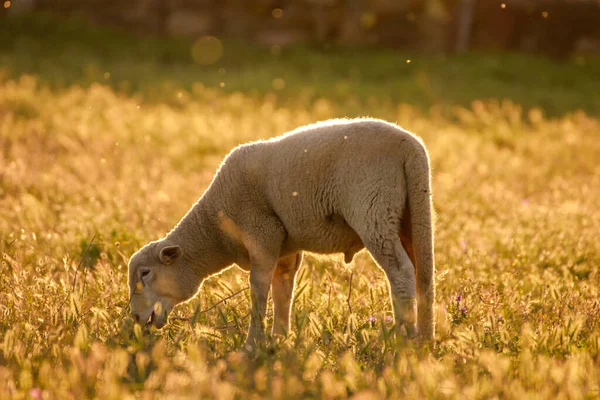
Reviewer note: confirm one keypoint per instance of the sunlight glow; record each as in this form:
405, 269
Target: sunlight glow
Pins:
207, 50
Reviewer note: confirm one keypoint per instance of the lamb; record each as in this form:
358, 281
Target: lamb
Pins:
337, 186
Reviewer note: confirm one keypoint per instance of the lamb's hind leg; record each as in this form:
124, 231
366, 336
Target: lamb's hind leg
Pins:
283, 290
392, 258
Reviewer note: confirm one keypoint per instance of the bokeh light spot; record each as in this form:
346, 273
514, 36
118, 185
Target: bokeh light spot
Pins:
278, 84
207, 50
368, 20
6, 4
277, 13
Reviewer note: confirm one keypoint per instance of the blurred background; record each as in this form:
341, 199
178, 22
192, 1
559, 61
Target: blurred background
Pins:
558, 28
343, 55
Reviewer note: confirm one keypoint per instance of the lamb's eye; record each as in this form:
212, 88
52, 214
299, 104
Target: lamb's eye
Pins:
144, 273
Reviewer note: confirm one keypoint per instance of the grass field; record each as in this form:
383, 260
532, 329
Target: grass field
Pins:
107, 139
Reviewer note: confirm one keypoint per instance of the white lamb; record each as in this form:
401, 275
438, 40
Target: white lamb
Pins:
333, 187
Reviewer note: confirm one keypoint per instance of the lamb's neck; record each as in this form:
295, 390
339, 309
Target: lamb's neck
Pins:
198, 234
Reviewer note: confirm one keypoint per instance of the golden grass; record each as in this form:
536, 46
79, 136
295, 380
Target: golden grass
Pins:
517, 197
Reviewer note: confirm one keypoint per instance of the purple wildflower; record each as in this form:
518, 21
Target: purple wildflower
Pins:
459, 298
35, 393
372, 319
463, 310
388, 318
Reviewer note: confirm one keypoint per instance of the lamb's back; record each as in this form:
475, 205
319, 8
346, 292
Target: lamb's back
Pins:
313, 175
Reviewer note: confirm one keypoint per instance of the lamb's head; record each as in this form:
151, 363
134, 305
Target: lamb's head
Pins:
157, 282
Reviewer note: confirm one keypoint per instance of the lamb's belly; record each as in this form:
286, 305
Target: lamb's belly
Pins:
331, 235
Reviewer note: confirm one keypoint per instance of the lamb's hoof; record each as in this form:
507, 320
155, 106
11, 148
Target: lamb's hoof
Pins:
249, 346
411, 333
407, 331
252, 343
406, 335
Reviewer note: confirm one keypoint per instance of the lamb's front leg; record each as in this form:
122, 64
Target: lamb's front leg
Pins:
263, 237
260, 282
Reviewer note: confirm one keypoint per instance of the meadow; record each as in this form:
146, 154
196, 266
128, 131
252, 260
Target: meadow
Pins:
107, 138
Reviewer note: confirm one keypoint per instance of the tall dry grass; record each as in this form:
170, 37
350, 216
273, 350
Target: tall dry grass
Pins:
90, 172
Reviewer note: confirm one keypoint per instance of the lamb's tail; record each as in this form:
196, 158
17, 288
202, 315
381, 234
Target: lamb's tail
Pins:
418, 185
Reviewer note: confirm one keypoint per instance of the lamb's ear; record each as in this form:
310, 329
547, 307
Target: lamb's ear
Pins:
169, 254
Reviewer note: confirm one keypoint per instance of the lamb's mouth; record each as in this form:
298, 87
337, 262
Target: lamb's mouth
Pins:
150, 319
156, 321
